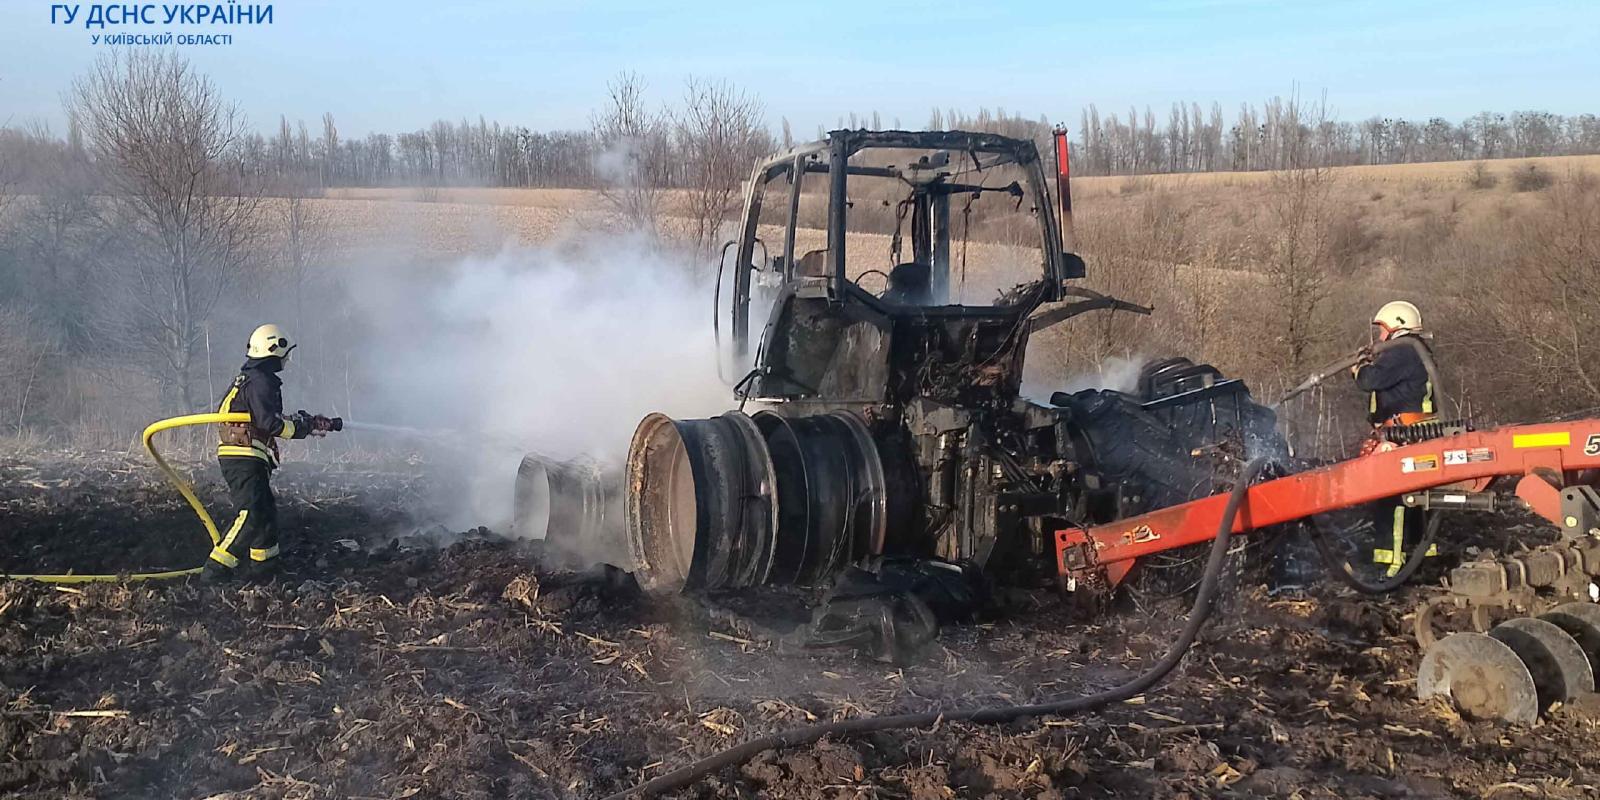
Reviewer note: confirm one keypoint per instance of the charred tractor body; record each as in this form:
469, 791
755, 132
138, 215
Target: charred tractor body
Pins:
884, 446
885, 407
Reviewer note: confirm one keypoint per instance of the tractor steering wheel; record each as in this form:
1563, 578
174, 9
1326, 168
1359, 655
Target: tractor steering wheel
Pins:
878, 272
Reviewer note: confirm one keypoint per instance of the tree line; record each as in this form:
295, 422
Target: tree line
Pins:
486, 152
1262, 138
489, 153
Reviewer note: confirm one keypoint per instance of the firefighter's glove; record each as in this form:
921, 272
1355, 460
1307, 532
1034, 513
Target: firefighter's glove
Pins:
316, 424
301, 421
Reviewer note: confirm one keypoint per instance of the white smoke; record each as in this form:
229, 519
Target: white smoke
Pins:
619, 162
1114, 372
559, 350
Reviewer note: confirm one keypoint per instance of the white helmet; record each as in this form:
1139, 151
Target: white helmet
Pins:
1398, 317
268, 341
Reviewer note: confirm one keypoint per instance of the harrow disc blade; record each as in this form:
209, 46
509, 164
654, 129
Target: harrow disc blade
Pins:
1482, 675
1581, 621
1559, 668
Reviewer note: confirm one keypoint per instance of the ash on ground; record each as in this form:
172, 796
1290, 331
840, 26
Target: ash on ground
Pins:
400, 668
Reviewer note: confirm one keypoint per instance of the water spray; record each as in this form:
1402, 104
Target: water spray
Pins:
442, 436
397, 430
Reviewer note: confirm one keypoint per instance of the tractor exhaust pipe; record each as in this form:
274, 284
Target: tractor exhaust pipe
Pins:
1069, 238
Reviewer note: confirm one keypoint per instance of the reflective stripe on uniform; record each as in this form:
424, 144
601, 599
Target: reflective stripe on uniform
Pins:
288, 430
1395, 556
263, 555
1427, 399
220, 553
227, 401
257, 448
1398, 554
1383, 556
253, 451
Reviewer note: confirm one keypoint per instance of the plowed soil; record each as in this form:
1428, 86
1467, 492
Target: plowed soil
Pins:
381, 664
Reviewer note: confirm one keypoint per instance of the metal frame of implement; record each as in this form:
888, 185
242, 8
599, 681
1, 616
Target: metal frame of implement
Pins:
1559, 463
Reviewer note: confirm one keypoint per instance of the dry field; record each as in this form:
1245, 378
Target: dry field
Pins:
381, 664
478, 222
571, 199
1441, 173
1392, 201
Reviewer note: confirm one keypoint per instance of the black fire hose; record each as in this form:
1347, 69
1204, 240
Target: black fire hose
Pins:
1198, 614
1341, 567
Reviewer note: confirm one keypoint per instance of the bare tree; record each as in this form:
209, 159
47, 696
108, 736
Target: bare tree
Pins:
1296, 260
1295, 237
9, 173
305, 231
634, 149
53, 233
330, 150
719, 132
1546, 302
1138, 258
28, 350
188, 223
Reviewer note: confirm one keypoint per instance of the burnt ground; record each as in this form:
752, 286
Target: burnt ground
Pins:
383, 667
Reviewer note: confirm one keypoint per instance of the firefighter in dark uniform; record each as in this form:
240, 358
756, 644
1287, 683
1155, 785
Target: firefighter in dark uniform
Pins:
248, 452
1400, 393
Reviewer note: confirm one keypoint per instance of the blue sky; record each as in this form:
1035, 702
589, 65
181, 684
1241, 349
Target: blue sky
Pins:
397, 65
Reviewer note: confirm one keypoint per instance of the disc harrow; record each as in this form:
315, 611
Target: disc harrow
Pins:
1545, 653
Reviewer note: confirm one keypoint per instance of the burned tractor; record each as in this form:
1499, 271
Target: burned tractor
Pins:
883, 438
882, 413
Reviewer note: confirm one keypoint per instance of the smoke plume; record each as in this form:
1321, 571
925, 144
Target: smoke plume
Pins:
1114, 373
558, 350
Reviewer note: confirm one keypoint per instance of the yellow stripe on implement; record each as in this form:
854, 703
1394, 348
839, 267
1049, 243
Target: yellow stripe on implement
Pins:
183, 487
1557, 439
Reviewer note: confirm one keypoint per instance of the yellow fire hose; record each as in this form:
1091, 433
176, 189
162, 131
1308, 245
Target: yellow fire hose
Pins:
178, 481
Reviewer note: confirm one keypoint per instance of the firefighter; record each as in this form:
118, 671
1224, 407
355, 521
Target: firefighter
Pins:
1400, 393
248, 452
1396, 378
